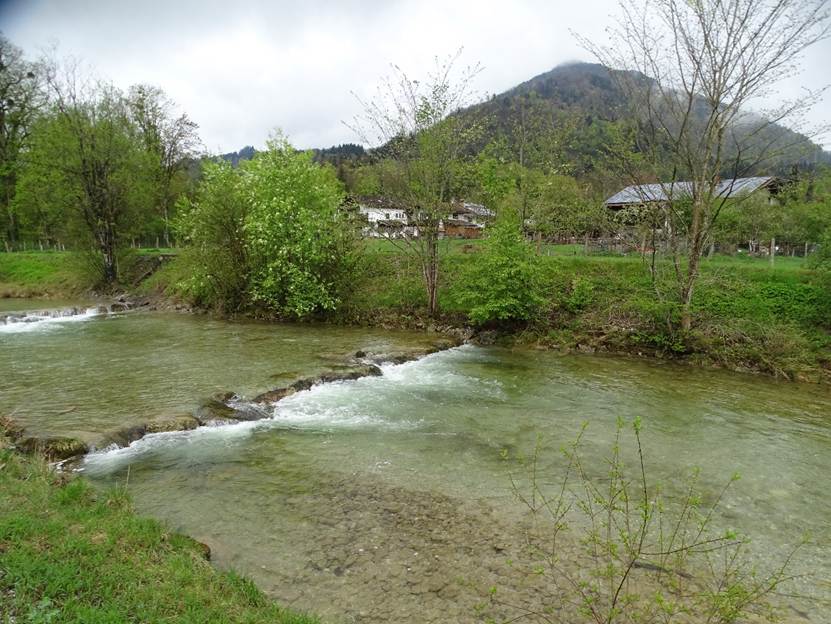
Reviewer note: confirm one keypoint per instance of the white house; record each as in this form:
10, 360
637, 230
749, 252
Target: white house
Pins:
385, 218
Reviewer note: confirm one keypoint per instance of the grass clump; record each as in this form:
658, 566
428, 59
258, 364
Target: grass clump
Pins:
71, 554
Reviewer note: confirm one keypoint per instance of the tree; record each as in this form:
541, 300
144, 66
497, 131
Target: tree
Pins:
20, 101
692, 71
412, 123
212, 225
269, 232
297, 239
169, 139
87, 150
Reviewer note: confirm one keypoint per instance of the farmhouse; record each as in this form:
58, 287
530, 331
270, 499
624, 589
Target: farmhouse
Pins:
467, 220
385, 218
388, 218
666, 192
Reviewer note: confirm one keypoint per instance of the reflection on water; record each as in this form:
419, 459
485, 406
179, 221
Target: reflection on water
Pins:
387, 498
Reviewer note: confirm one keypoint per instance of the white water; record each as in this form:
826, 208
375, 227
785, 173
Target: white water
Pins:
365, 404
47, 319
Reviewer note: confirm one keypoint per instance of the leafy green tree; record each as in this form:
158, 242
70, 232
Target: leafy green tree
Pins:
505, 285
87, 150
412, 124
269, 233
170, 140
297, 238
822, 258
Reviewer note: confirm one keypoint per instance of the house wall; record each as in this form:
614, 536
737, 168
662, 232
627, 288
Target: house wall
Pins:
374, 215
459, 231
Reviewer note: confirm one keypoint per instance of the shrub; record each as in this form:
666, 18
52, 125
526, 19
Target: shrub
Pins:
614, 548
296, 237
269, 233
505, 283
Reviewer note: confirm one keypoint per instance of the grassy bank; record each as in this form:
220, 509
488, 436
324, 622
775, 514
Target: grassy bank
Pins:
38, 273
71, 554
747, 314
62, 274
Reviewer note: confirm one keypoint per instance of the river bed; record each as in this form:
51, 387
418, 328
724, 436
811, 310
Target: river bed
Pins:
389, 498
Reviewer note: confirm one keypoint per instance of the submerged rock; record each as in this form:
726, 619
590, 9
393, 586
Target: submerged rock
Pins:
125, 436
272, 396
53, 448
347, 373
212, 412
350, 373
183, 422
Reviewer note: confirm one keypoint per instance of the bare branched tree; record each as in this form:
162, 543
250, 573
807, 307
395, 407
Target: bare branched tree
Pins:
693, 72
411, 123
169, 138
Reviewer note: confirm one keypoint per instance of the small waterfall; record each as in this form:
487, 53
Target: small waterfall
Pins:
34, 319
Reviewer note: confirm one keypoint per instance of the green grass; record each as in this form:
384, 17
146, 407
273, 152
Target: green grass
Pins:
33, 273
55, 273
70, 554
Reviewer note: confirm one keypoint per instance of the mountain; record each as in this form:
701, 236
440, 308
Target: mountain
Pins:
585, 100
246, 153
334, 155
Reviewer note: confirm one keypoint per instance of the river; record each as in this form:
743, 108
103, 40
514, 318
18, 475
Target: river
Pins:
389, 498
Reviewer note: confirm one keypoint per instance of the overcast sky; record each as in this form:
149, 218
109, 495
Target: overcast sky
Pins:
241, 69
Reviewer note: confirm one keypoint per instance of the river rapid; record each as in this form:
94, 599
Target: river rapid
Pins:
390, 498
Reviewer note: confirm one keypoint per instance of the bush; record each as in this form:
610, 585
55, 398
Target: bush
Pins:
213, 226
505, 282
268, 233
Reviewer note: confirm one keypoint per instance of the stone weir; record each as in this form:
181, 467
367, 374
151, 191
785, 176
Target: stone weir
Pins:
30, 317
221, 409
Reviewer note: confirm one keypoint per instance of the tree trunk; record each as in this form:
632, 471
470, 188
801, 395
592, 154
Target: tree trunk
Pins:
805, 254
772, 251
431, 275
166, 227
695, 244
712, 251
107, 241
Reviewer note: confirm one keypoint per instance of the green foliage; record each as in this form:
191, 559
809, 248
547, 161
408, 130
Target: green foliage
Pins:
75, 555
212, 225
504, 284
269, 233
86, 173
297, 238
821, 259
641, 555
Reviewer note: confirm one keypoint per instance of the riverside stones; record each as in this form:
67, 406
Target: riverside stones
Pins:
55, 448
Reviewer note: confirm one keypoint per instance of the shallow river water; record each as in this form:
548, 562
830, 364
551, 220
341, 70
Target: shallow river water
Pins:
389, 498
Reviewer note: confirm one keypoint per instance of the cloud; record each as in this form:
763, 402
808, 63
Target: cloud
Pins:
242, 69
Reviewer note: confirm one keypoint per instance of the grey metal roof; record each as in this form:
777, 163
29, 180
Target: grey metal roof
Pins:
645, 193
